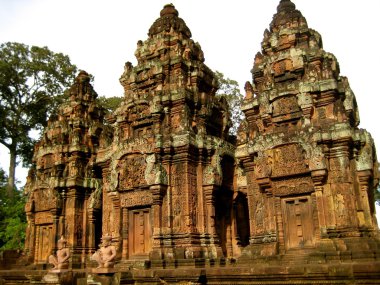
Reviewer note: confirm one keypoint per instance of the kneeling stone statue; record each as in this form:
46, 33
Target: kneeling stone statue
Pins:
61, 260
105, 255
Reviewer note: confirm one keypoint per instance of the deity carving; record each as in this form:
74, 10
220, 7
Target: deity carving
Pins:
212, 173
262, 166
241, 177
155, 173
317, 160
95, 199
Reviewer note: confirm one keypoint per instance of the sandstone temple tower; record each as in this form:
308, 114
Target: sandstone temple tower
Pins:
163, 177
64, 191
168, 151
310, 171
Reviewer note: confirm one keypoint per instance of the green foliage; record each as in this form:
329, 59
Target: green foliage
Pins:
229, 89
12, 217
377, 195
32, 79
110, 103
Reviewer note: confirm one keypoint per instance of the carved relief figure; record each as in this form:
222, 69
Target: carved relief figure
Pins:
212, 174
263, 166
154, 173
95, 199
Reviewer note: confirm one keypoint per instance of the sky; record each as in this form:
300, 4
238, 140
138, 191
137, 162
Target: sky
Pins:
100, 36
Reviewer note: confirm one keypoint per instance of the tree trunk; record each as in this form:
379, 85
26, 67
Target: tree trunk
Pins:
12, 172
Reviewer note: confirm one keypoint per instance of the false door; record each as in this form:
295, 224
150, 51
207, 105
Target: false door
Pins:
43, 246
140, 232
298, 222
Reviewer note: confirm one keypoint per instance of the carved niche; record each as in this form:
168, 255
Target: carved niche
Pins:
285, 105
280, 67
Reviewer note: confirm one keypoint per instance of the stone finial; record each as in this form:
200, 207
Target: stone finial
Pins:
285, 6
248, 90
169, 21
286, 15
82, 77
169, 9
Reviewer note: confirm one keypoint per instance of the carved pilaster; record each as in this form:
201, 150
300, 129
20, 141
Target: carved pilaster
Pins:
158, 192
54, 234
115, 212
92, 213
209, 198
30, 236
364, 211
124, 253
209, 193
318, 177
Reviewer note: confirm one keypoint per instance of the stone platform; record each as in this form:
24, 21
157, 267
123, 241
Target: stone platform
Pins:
255, 273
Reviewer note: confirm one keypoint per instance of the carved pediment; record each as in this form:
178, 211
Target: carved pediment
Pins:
131, 171
286, 108
287, 160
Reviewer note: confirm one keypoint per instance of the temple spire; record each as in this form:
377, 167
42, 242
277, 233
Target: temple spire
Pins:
285, 6
287, 16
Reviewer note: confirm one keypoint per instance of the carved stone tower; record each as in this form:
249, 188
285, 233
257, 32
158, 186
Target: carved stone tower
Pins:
169, 150
310, 170
61, 185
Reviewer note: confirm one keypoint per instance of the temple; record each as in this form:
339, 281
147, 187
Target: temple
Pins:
289, 198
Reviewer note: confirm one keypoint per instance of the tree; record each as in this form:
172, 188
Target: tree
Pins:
31, 80
230, 90
110, 104
377, 195
12, 217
